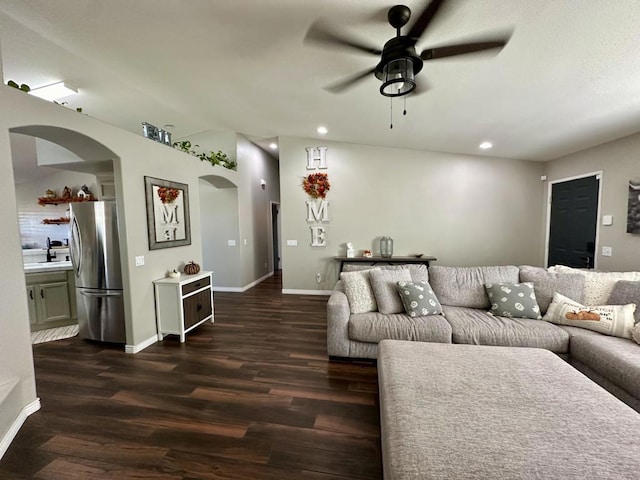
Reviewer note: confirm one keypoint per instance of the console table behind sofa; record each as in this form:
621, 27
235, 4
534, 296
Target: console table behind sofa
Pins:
387, 260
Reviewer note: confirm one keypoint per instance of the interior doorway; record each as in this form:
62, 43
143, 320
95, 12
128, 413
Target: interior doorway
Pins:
573, 221
275, 236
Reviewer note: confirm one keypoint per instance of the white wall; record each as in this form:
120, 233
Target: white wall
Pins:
220, 224
618, 161
464, 210
255, 164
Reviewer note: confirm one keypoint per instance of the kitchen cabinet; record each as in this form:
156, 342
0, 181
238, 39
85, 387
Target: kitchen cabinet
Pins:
183, 303
51, 299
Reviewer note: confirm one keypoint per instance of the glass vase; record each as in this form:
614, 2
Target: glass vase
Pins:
386, 247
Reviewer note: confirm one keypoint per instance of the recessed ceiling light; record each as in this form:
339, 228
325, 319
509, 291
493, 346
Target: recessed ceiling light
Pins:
54, 91
486, 145
322, 130
273, 146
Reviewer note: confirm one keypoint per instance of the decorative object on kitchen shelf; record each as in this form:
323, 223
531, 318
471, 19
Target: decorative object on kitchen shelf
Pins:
316, 185
367, 253
56, 221
51, 197
173, 273
168, 221
386, 247
214, 158
66, 194
191, 268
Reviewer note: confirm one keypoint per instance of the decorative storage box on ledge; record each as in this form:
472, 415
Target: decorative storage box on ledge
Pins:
183, 303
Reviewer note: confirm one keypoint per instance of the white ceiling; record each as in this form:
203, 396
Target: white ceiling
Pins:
568, 79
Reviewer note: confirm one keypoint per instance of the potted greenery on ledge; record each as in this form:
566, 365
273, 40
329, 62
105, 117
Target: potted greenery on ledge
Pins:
214, 158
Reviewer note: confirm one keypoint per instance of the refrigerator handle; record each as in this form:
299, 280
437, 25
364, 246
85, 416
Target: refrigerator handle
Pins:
76, 243
102, 293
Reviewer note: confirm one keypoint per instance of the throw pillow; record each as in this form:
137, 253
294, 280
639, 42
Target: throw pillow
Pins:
513, 300
635, 333
357, 288
614, 320
546, 283
626, 291
383, 283
597, 285
418, 299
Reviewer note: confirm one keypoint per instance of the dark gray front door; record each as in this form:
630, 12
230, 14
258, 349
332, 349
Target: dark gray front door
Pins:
572, 228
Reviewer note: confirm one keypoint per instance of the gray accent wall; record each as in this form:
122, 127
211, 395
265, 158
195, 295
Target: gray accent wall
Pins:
464, 210
619, 162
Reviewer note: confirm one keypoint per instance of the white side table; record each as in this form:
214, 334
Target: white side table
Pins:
183, 303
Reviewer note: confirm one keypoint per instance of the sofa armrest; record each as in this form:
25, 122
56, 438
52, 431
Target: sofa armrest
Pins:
338, 314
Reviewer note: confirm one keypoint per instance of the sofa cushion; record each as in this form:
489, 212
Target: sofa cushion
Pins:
626, 291
597, 285
616, 359
418, 299
615, 320
357, 287
464, 286
513, 300
419, 272
473, 326
373, 327
546, 283
383, 283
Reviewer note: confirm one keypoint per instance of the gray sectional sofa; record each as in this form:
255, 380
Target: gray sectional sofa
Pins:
612, 362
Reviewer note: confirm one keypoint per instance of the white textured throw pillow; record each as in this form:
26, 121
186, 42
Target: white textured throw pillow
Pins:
597, 285
614, 320
357, 287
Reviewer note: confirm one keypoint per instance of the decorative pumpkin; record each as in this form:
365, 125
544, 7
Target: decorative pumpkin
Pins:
191, 268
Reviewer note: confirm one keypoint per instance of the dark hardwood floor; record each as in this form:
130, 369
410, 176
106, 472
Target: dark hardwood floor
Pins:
252, 396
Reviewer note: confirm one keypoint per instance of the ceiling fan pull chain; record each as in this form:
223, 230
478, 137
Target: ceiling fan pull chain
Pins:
405, 105
391, 112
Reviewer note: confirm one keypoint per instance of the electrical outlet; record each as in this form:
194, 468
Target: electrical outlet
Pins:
292, 243
318, 277
607, 251
231, 243
140, 261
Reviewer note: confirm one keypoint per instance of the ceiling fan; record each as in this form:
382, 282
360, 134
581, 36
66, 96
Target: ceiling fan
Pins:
399, 63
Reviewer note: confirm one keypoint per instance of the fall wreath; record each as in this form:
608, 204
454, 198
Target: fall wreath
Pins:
316, 185
168, 194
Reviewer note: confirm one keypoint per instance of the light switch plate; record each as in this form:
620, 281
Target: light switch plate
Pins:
606, 251
607, 220
140, 261
231, 243
292, 243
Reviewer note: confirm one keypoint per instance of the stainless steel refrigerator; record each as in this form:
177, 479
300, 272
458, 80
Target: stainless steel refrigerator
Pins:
95, 254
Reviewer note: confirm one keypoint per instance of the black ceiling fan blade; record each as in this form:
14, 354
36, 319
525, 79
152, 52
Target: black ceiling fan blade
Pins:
461, 49
349, 82
322, 33
423, 21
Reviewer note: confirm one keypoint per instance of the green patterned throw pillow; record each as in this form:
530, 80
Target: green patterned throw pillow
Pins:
517, 300
418, 299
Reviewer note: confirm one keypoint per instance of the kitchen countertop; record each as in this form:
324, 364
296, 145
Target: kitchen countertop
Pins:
47, 267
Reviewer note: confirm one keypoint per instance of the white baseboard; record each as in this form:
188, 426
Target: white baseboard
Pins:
245, 288
15, 426
138, 347
292, 291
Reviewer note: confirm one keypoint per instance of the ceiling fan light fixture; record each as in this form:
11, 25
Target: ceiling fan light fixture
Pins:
398, 78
